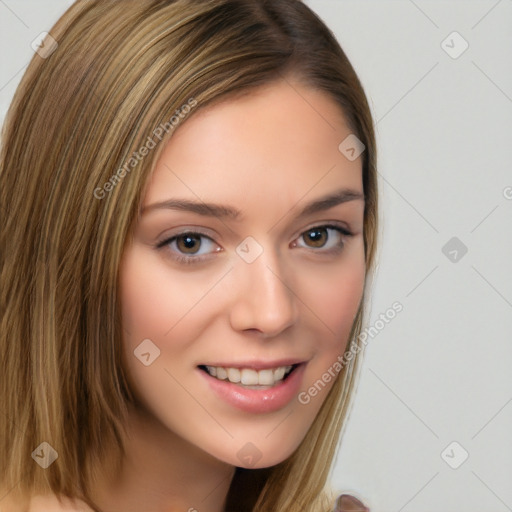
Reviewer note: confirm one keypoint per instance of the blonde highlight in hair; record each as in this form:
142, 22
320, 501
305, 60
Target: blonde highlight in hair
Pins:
123, 68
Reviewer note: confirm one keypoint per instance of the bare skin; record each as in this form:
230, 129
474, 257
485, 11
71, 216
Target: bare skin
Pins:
268, 155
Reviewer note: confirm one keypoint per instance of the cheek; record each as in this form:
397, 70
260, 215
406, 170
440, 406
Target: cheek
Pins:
156, 300
340, 300
158, 305
334, 296
154, 305
335, 301
167, 307
145, 298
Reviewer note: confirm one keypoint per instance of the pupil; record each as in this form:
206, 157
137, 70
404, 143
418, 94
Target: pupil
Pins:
317, 236
188, 242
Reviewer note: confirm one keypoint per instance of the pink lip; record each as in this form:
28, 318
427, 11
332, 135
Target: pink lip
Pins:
257, 401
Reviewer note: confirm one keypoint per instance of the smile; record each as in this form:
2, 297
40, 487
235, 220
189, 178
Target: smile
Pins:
283, 385
250, 378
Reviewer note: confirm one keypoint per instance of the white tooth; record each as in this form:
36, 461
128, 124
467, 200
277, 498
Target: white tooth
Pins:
279, 373
249, 377
234, 374
266, 377
222, 374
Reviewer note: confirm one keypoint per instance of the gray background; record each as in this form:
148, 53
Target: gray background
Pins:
439, 372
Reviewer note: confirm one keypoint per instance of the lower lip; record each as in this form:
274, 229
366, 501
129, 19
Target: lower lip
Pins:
257, 400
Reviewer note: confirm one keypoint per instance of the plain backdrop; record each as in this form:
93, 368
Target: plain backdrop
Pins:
431, 426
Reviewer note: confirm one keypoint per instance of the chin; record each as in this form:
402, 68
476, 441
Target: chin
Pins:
258, 455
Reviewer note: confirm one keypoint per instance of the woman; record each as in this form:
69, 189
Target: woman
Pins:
190, 202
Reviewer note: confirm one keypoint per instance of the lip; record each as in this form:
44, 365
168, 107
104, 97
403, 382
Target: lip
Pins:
257, 401
258, 364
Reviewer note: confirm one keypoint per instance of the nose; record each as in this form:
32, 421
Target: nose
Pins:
264, 299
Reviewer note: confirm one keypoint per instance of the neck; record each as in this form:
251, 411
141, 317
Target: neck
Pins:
162, 472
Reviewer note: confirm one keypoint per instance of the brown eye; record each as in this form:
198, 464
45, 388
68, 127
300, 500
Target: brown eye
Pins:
316, 237
189, 247
324, 239
189, 243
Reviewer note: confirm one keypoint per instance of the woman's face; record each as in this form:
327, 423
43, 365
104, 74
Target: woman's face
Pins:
241, 263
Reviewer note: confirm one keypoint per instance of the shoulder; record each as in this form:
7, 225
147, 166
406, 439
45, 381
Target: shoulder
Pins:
348, 503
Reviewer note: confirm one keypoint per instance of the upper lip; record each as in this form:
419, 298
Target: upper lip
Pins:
257, 364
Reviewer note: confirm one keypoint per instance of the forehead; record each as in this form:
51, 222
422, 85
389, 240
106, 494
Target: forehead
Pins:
275, 144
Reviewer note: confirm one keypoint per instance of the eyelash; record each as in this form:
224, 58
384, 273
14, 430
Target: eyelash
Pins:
187, 260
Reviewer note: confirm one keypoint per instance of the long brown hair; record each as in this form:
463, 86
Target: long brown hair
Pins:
70, 190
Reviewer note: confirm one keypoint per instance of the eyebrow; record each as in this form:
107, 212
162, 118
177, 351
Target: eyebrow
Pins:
228, 212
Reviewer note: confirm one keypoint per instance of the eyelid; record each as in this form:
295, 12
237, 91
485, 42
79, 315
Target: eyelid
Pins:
343, 226
189, 228
163, 240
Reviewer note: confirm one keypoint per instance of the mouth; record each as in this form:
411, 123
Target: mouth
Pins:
255, 387
250, 378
